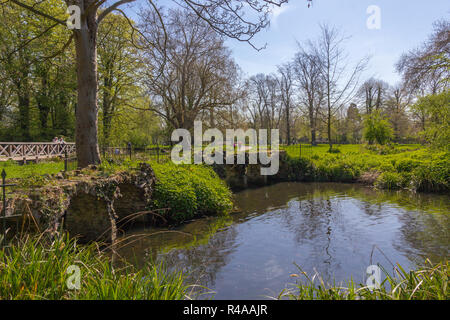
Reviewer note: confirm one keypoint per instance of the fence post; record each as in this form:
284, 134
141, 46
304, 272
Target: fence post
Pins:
129, 149
157, 153
65, 160
4, 206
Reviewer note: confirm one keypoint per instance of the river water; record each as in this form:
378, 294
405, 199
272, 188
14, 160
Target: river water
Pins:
336, 230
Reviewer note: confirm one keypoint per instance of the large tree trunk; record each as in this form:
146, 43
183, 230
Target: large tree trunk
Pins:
87, 108
288, 124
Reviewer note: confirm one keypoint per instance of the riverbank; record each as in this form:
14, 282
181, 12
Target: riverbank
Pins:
411, 167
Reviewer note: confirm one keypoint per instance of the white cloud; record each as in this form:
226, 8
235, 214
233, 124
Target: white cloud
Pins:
276, 12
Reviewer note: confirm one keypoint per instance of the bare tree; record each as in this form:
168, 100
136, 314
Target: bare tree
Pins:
373, 92
427, 69
265, 102
190, 70
340, 81
286, 79
310, 86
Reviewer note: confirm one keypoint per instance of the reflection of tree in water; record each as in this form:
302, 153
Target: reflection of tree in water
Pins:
424, 235
313, 223
203, 262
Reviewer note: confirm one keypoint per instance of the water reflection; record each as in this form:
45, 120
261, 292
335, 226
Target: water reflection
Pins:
336, 229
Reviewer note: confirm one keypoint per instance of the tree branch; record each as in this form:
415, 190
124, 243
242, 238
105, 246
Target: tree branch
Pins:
38, 12
111, 8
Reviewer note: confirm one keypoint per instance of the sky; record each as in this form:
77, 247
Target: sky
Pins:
404, 25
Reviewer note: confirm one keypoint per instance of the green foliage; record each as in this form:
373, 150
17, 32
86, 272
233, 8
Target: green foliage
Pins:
436, 109
189, 190
377, 128
428, 282
36, 268
389, 180
404, 166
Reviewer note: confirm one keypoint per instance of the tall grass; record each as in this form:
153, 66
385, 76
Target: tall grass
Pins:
429, 282
36, 268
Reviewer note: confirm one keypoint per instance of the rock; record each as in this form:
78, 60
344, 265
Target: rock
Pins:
59, 176
88, 207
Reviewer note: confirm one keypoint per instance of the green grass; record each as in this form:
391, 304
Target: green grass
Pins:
36, 268
409, 166
428, 282
14, 170
402, 166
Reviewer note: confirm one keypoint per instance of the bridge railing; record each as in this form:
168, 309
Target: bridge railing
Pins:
34, 150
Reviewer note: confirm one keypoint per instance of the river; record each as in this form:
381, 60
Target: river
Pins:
336, 230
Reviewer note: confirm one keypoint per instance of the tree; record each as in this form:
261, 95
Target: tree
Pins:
373, 93
119, 69
437, 109
353, 124
377, 128
230, 18
265, 102
191, 69
310, 85
286, 78
427, 69
340, 85
39, 84
396, 103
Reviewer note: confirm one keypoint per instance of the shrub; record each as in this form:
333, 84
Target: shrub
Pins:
406, 165
389, 180
189, 190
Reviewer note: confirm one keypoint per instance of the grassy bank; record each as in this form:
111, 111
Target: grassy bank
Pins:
428, 282
387, 167
36, 268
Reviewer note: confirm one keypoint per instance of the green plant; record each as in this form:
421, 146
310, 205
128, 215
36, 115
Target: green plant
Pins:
427, 282
189, 190
35, 267
377, 128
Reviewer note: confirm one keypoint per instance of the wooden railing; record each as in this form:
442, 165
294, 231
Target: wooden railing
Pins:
34, 150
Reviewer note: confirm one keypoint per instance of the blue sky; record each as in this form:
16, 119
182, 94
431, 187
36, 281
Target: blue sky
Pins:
405, 24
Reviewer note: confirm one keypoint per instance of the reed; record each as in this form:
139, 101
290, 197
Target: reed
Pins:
428, 282
35, 267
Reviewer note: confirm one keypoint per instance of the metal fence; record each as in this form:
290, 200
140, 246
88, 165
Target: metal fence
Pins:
156, 154
3, 216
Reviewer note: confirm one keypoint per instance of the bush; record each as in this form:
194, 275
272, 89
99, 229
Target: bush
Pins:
389, 180
189, 190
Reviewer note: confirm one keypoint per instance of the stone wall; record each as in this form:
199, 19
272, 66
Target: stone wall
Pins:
87, 206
